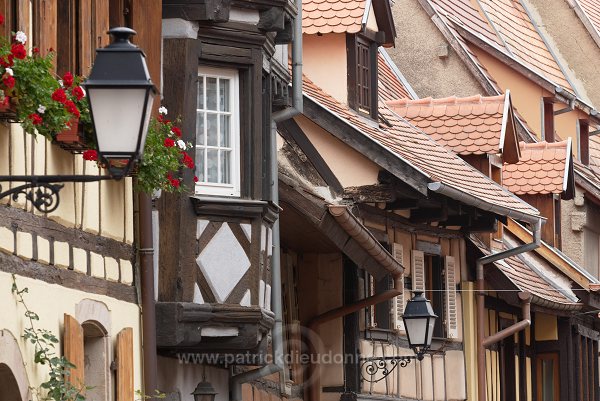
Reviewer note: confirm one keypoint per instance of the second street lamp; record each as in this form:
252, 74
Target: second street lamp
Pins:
419, 322
120, 95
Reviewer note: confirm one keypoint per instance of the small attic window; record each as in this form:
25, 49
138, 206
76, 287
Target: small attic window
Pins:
362, 75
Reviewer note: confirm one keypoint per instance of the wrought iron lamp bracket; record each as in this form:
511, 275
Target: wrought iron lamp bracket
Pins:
43, 190
375, 369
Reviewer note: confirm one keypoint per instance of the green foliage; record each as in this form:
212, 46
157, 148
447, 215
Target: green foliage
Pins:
57, 387
158, 395
160, 165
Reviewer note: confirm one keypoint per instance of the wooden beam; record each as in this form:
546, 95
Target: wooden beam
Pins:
429, 215
402, 204
370, 193
361, 142
66, 278
548, 254
293, 130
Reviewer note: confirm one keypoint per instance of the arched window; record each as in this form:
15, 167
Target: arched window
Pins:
14, 385
8, 384
96, 348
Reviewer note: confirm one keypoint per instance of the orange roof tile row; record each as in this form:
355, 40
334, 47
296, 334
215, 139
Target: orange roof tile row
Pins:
422, 152
522, 38
594, 147
541, 169
332, 16
471, 125
505, 24
591, 9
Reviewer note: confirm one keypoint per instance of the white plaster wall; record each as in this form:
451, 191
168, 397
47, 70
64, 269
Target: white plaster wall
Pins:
50, 302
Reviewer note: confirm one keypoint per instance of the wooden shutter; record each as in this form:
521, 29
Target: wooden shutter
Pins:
418, 270
398, 302
450, 305
74, 351
125, 391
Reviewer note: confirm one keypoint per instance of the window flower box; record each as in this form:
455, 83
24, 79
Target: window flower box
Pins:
72, 138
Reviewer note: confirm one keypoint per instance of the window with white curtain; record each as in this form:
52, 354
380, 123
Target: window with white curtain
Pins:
218, 132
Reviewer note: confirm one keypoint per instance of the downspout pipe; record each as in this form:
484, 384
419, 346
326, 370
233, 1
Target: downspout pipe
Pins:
276, 299
314, 388
481, 340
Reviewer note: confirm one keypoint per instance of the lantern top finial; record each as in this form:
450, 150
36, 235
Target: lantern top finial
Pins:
121, 35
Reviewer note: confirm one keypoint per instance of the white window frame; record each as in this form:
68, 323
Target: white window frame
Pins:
218, 189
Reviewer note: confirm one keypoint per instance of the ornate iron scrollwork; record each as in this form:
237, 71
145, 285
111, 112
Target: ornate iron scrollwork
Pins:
375, 369
43, 196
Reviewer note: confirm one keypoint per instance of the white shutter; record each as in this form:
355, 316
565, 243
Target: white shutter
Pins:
418, 270
398, 302
451, 310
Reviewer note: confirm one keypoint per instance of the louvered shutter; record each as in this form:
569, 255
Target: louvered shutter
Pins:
451, 317
125, 391
74, 351
398, 302
418, 270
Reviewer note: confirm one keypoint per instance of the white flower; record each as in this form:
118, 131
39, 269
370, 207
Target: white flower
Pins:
21, 37
162, 110
41, 109
181, 144
9, 71
60, 82
83, 90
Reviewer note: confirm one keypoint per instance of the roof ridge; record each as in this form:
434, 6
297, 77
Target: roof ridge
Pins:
450, 100
543, 145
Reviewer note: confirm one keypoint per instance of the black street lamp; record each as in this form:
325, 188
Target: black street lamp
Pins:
120, 95
419, 321
204, 392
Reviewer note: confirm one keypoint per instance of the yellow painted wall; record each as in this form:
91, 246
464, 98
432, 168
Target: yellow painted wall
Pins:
324, 62
546, 327
349, 166
50, 302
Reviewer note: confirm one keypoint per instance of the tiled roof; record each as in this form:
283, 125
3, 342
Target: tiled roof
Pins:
505, 24
332, 16
522, 38
595, 154
541, 169
422, 152
591, 12
525, 278
391, 84
471, 125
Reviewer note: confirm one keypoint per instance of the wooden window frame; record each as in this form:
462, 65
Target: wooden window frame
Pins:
556, 374
233, 188
583, 141
548, 120
367, 104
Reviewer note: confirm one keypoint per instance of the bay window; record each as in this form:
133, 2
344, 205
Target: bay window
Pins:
218, 132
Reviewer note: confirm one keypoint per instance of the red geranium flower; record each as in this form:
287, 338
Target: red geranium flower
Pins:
1, 19
68, 79
78, 92
160, 118
9, 81
59, 95
169, 143
195, 179
18, 50
175, 183
187, 160
36, 119
90, 155
36, 50
72, 108
176, 131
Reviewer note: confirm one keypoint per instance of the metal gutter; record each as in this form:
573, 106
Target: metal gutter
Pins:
469, 199
481, 340
365, 239
276, 296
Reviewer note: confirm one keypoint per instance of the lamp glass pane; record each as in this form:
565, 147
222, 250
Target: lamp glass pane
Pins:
146, 122
416, 329
430, 331
117, 118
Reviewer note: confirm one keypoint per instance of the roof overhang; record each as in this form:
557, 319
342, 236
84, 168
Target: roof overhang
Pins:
509, 143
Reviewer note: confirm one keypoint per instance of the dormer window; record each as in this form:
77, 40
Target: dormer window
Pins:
362, 75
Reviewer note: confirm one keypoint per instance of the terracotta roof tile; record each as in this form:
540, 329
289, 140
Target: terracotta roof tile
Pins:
332, 16
541, 169
422, 152
591, 12
452, 121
